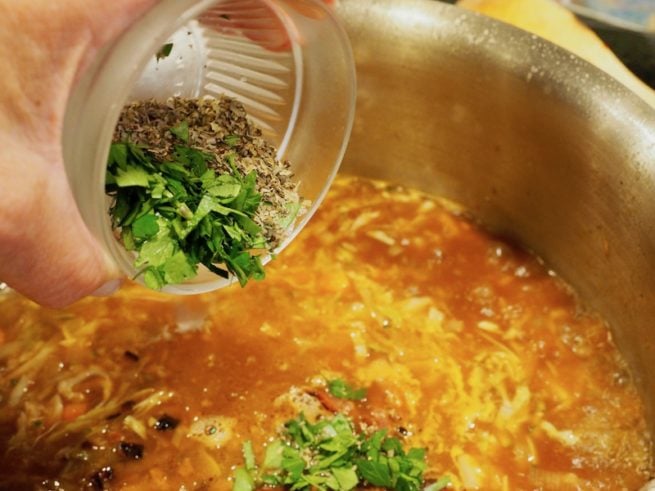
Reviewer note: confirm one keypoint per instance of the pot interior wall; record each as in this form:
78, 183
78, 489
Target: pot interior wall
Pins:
540, 146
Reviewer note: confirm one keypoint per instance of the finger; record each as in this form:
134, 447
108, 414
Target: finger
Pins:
257, 21
48, 253
250, 18
104, 21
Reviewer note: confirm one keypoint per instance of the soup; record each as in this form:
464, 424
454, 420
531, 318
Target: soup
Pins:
466, 346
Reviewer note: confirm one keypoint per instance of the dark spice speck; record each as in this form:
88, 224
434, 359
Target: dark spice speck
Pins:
127, 406
132, 451
131, 355
98, 479
166, 423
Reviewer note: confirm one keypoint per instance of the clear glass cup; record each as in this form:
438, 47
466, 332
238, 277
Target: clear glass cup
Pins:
288, 61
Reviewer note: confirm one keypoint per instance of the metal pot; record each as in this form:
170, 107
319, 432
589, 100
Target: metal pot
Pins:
542, 148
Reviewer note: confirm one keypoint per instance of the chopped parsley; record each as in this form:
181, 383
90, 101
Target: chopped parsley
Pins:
231, 140
342, 390
180, 213
330, 455
164, 51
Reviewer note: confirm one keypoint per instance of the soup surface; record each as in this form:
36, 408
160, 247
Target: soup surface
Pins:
467, 347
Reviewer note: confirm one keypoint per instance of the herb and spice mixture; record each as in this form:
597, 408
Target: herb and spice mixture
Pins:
394, 345
193, 181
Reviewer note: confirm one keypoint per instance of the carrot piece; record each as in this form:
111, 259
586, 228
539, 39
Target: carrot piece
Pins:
73, 410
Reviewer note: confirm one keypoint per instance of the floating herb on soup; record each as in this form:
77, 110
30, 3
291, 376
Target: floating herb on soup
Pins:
342, 390
330, 454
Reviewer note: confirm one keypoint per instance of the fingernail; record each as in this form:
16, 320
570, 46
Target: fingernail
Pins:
107, 289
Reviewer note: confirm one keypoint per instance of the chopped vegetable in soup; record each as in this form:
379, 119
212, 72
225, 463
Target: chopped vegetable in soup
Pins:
395, 339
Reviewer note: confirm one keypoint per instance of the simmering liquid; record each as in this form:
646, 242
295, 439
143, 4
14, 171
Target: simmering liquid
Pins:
468, 347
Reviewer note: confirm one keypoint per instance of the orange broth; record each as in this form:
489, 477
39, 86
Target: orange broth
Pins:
468, 347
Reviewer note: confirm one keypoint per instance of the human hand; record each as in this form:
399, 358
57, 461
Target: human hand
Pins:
46, 251
257, 21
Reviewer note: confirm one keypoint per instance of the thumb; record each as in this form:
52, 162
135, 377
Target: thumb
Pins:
46, 251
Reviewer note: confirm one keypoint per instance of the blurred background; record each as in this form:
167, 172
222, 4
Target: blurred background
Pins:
627, 27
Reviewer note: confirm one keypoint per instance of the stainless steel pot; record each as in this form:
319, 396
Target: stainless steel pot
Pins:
540, 146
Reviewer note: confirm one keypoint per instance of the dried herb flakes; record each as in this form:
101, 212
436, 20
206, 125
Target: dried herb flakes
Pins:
219, 127
193, 182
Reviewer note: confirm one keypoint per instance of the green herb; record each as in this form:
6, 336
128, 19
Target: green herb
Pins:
180, 213
331, 455
181, 131
249, 456
292, 210
231, 140
220, 128
164, 51
439, 484
342, 390
243, 480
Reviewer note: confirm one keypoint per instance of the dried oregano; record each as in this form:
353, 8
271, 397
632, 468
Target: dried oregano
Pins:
194, 182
